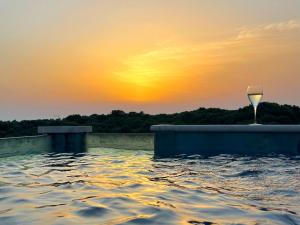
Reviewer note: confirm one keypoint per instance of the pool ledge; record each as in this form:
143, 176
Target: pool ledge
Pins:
228, 128
67, 138
64, 129
226, 139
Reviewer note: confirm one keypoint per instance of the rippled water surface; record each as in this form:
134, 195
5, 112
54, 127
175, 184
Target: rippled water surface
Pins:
107, 186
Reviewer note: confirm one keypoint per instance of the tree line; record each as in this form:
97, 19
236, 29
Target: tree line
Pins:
139, 122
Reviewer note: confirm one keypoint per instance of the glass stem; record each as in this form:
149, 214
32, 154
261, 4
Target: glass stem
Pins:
255, 110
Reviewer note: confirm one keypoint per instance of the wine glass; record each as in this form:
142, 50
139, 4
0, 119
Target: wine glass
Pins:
255, 94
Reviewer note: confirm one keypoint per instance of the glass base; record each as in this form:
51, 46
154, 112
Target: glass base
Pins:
255, 124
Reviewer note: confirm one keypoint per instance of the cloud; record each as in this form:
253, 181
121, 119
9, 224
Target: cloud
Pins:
271, 28
290, 25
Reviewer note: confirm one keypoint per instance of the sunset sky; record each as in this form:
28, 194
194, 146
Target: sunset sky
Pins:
60, 57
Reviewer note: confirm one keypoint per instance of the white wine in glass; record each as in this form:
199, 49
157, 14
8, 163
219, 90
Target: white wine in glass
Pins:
255, 94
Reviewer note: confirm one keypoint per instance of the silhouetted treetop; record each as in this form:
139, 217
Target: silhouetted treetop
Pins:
119, 121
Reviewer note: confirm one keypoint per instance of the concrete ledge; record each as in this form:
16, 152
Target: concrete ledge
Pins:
228, 128
64, 129
172, 140
21, 137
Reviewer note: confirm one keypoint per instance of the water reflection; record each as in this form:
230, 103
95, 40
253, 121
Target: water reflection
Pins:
106, 186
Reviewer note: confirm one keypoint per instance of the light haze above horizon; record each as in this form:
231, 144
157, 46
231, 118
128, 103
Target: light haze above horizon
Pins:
83, 57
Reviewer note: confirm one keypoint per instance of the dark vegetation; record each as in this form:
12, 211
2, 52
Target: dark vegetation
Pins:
132, 122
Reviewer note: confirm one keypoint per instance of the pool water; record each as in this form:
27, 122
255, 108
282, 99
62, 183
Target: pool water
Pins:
109, 186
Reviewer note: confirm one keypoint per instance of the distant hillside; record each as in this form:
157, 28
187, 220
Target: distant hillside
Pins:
121, 122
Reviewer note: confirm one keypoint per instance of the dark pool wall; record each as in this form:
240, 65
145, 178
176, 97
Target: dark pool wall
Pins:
177, 143
214, 140
73, 142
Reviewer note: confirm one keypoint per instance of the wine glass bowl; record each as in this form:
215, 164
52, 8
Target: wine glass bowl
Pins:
255, 94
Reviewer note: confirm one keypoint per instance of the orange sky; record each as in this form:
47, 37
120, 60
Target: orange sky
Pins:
64, 57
